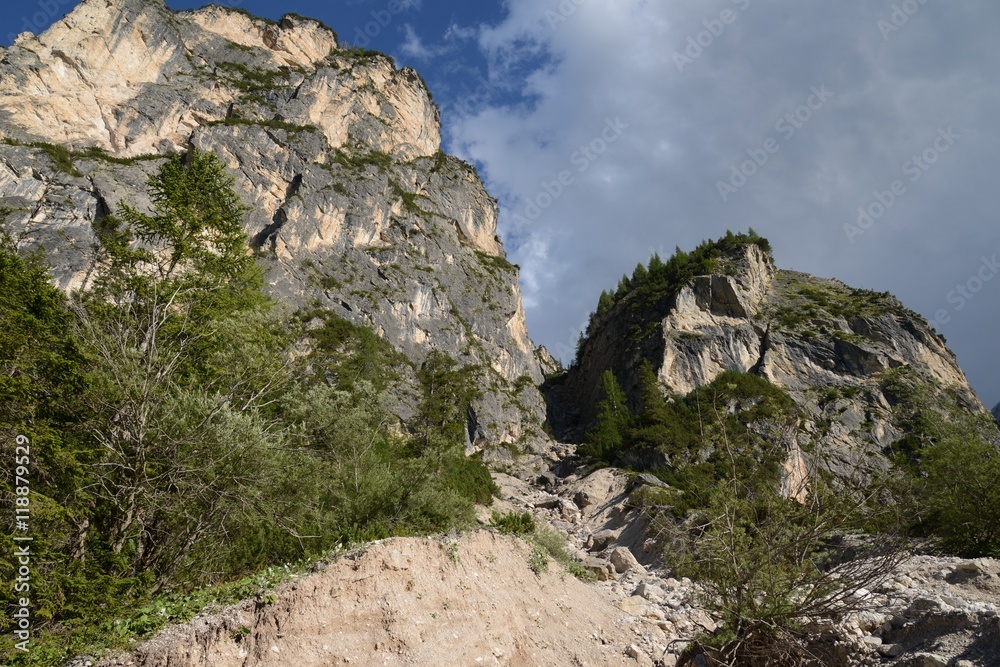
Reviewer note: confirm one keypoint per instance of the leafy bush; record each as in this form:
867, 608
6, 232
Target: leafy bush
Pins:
514, 523
768, 567
963, 517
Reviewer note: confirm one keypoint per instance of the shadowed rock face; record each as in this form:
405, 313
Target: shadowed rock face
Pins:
335, 152
996, 412
828, 345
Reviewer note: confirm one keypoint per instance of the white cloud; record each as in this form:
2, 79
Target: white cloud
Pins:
413, 46
656, 186
458, 33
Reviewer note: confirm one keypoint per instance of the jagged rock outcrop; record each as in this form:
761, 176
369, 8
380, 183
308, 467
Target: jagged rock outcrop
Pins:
335, 152
828, 345
996, 412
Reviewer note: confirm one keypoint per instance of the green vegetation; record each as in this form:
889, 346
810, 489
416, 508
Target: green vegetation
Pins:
293, 129
64, 160
809, 304
252, 80
545, 543
358, 161
513, 523
675, 437
495, 264
944, 442
651, 284
185, 434
357, 55
768, 567
409, 199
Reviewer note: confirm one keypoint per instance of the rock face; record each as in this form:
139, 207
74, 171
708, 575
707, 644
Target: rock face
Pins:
996, 412
132, 77
336, 153
828, 345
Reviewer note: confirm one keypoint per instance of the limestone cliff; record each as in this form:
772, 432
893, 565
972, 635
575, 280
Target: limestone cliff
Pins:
833, 348
336, 152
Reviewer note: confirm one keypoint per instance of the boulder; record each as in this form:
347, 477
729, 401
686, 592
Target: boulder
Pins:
624, 561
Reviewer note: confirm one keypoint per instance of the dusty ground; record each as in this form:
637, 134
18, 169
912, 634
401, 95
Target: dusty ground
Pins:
474, 601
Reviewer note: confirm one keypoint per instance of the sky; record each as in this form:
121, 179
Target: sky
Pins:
860, 137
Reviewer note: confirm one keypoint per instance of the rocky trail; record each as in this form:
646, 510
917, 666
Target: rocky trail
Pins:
475, 600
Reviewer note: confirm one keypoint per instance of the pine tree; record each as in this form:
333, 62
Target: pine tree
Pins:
608, 437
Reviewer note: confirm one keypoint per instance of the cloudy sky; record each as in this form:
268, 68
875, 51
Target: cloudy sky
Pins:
860, 136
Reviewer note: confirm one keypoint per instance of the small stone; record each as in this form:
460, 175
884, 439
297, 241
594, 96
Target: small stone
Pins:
650, 592
925, 605
891, 650
652, 480
583, 499
639, 655
549, 503
929, 660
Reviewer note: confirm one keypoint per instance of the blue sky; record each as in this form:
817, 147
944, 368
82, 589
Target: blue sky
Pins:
859, 136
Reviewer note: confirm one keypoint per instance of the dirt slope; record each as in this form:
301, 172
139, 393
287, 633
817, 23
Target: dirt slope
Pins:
414, 602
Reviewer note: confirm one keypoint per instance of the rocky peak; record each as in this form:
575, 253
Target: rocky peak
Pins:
133, 77
831, 347
996, 412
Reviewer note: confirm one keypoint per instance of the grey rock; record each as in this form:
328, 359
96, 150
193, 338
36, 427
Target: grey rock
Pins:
602, 539
650, 591
582, 499
924, 605
549, 503
930, 660
547, 480
640, 656
624, 561
602, 569
891, 650
651, 480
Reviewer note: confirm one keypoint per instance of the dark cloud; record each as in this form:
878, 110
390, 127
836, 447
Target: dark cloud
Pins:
695, 112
